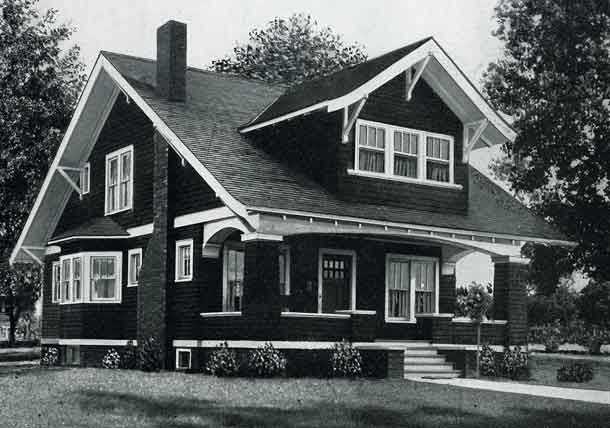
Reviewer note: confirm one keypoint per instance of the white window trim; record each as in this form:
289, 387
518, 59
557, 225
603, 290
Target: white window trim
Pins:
389, 156
86, 293
409, 258
182, 243
118, 154
85, 172
286, 249
119, 269
352, 253
54, 284
178, 351
129, 267
225, 280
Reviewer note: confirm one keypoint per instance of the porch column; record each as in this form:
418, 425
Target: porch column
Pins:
446, 289
261, 294
510, 296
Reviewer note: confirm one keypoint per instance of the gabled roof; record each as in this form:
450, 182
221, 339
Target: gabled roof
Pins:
98, 227
205, 130
207, 124
334, 85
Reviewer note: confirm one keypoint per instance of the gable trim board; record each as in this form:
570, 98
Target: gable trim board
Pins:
430, 48
102, 64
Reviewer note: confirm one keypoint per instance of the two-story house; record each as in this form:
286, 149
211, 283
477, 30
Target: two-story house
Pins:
198, 207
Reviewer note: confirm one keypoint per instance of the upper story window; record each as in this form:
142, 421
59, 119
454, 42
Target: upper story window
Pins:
87, 277
119, 180
184, 260
403, 154
85, 178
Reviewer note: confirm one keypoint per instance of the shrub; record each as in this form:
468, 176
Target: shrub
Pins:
550, 336
50, 357
460, 301
345, 360
222, 362
575, 371
150, 355
514, 363
266, 361
112, 359
488, 361
129, 358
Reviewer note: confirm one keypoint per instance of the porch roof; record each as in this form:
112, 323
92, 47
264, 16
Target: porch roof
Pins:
102, 227
207, 123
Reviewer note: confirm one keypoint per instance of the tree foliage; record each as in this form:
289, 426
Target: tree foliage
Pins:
554, 80
290, 51
39, 86
594, 304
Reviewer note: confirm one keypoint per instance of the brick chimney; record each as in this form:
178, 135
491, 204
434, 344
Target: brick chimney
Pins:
171, 61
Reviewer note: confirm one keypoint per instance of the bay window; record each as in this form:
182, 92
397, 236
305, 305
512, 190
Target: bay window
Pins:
119, 180
411, 287
87, 277
403, 154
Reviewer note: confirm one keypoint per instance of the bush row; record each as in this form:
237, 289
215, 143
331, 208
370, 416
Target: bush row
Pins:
552, 335
512, 363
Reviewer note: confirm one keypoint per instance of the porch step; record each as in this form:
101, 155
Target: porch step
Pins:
425, 362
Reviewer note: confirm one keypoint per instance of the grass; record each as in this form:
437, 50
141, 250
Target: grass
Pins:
543, 371
37, 397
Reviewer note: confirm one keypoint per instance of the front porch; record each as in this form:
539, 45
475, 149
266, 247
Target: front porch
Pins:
358, 284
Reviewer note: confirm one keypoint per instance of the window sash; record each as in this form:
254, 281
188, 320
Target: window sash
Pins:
184, 261
104, 278
85, 178
234, 279
411, 285
407, 153
56, 282
119, 180
77, 274
135, 264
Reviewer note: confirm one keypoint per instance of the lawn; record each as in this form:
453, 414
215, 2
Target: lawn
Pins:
37, 397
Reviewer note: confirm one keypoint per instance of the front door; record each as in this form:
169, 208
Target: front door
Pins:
336, 282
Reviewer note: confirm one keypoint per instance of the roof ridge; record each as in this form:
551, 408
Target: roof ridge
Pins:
199, 70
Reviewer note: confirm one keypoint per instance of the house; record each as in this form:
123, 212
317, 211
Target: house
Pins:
197, 207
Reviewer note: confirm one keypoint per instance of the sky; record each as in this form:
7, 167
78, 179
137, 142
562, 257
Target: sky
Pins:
463, 27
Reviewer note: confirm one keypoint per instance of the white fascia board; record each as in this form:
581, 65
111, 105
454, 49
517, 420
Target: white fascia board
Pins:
234, 205
360, 220
419, 54
82, 101
204, 216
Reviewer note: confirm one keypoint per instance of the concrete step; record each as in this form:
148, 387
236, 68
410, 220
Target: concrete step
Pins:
433, 375
424, 359
421, 352
428, 368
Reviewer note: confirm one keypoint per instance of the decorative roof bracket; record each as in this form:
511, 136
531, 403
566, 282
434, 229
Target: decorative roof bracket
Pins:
469, 142
62, 170
412, 80
348, 121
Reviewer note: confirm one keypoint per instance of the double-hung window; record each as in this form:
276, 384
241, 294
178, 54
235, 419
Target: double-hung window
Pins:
133, 268
85, 178
184, 260
284, 270
371, 148
119, 180
104, 277
77, 283
66, 271
233, 277
403, 154
411, 287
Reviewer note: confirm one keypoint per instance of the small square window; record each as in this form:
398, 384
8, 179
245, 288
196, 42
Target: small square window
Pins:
183, 359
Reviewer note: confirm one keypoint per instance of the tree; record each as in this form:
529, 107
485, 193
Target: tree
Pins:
20, 289
594, 304
554, 80
290, 51
39, 87
548, 267
478, 301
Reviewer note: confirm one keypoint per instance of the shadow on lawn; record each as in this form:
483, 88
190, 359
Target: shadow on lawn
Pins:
180, 412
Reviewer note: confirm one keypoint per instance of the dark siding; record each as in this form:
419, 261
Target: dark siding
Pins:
92, 320
427, 112
126, 125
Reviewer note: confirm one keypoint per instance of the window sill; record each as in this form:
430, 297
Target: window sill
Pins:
117, 211
220, 314
380, 176
135, 284
90, 302
314, 315
434, 315
357, 312
184, 279
399, 321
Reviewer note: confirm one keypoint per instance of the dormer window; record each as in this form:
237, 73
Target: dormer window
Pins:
119, 180
403, 154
